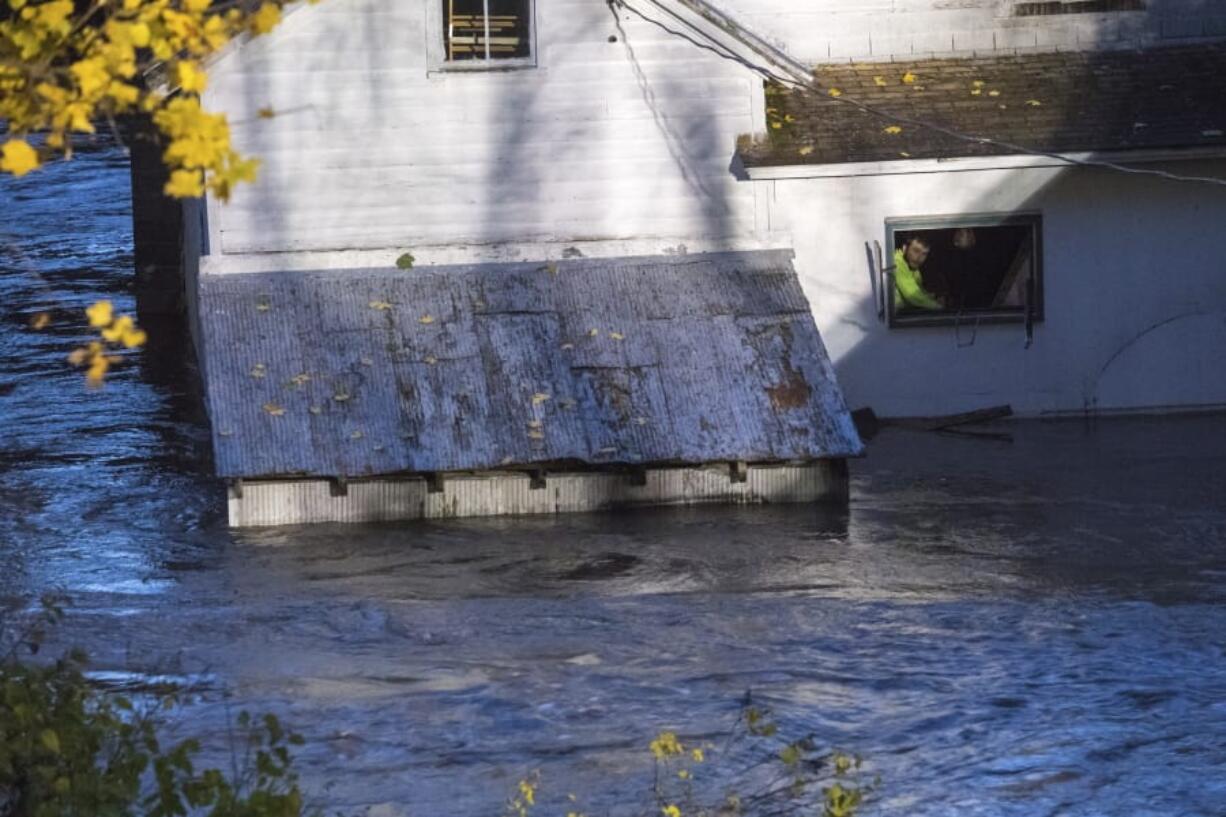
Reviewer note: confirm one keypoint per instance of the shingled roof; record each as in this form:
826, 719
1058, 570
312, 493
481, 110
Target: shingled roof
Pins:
590, 362
1103, 102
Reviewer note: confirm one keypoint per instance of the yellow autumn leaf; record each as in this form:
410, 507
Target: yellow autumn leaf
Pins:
40, 320
978, 83
993, 92
426, 319
1034, 103
100, 314
893, 130
835, 92
879, 81
909, 78
617, 336
274, 409
805, 150
265, 19
538, 398
116, 330
97, 370
185, 184
382, 306
133, 338
191, 78
17, 157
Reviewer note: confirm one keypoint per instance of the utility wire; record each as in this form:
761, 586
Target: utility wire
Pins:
722, 51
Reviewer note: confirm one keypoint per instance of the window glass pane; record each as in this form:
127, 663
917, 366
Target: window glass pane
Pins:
509, 29
464, 29
469, 35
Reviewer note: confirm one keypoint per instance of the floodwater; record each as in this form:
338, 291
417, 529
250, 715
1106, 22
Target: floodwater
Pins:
1025, 628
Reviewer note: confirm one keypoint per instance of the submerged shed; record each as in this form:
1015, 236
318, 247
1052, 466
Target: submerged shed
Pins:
513, 388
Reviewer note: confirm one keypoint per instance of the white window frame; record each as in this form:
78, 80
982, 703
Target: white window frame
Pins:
436, 49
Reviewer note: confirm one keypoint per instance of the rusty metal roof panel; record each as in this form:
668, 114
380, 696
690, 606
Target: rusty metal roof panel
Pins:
651, 360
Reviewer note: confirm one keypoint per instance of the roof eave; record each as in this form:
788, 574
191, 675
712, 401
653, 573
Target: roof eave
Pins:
898, 167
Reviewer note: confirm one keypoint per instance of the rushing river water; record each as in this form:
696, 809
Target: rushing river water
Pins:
1000, 629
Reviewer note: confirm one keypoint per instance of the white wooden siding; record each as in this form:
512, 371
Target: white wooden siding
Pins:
818, 31
370, 150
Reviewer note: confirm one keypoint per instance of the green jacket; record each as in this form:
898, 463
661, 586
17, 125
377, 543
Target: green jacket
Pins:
909, 286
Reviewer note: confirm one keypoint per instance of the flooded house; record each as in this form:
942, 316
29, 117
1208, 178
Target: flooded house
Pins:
532, 256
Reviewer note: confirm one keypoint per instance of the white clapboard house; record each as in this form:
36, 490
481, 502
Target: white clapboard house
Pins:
629, 221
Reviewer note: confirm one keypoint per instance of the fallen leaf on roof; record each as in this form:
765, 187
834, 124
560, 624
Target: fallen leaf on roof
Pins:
340, 396
366, 361
300, 379
262, 307
591, 333
617, 336
1139, 125
1002, 106
355, 434
805, 150
40, 321
909, 78
1034, 103
904, 154
789, 118
978, 83
893, 130
266, 112
539, 397
259, 370
977, 92
431, 360
382, 306
536, 435
993, 92
426, 319
568, 346
835, 92
535, 424
776, 125
274, 409
879, 82
315, 409
1211, 133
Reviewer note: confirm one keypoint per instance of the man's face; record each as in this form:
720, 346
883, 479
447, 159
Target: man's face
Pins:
915, 253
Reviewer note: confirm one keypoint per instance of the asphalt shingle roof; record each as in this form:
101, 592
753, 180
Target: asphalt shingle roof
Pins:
1057, 102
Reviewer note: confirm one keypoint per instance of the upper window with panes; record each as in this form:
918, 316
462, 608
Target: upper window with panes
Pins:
486, 34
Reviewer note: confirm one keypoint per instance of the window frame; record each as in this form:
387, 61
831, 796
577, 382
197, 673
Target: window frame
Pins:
436, 49
978, 317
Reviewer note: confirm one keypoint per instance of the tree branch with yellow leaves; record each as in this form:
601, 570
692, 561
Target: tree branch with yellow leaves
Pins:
66, 66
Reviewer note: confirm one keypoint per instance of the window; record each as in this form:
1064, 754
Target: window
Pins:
977, 269
486, 34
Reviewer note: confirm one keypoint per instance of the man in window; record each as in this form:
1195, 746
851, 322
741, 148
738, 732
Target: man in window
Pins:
909, 291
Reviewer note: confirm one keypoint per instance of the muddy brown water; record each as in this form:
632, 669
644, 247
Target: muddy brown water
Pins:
1000, 629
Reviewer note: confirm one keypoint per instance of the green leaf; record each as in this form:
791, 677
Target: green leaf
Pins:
405, 261
50, 740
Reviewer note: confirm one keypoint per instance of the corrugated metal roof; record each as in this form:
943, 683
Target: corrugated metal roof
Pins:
650, 360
